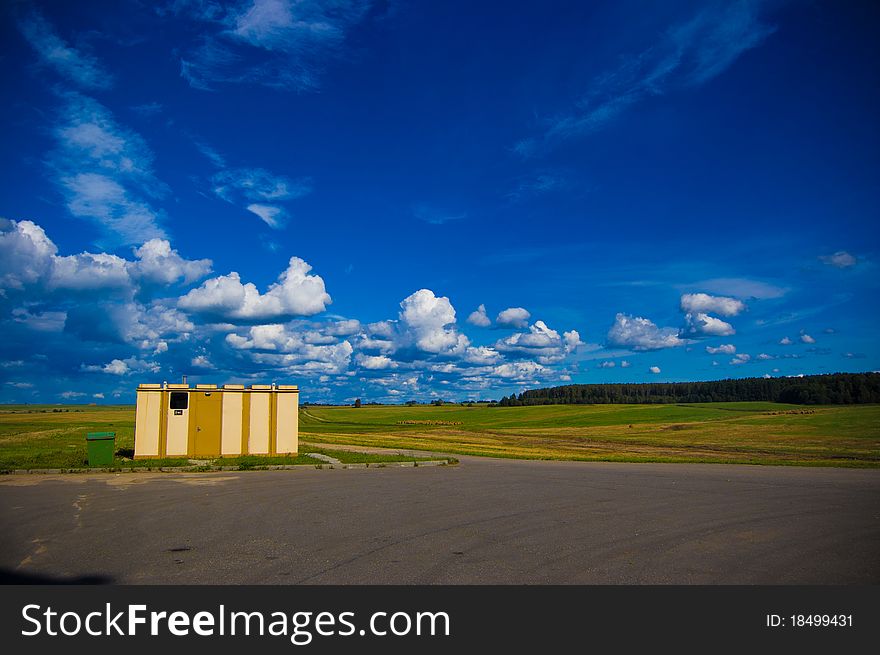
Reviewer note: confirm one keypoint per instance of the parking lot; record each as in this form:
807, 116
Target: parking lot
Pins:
485, 521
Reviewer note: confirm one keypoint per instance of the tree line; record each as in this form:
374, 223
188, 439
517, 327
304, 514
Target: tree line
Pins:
830, 389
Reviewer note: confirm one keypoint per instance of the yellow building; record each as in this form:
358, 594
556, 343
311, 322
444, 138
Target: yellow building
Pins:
176, 420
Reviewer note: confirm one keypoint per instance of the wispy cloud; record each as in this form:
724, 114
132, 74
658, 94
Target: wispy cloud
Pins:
105, 172
78, 67
689, 54
260, 192
149, 109
436, 215
538, 184
740, 287
276, 43
840, 259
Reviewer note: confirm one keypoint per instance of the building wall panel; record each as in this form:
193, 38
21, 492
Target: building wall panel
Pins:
258, 439
287, 422
146, 422
231, 429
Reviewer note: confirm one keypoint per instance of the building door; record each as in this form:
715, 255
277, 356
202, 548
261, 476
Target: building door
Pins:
206, 410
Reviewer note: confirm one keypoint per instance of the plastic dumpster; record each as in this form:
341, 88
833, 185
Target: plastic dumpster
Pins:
101, 446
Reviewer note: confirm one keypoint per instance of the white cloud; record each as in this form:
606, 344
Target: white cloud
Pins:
482, 355
29, 259
515, 317
687, 54
431, 321
116, 367
105, 172
541, 342
375, 363
258, 190
99, 396
276, 43
742, 288
741, 358
295, 293
479, 317
572, 340
75, 65
518, 370
806, 338
157, 262
654, 369
625, 364
765, 357
343, 328
641, 334
785, 341
607, 364
703, 324
724, 349
840, 259
202, 361
272, 216
702, 303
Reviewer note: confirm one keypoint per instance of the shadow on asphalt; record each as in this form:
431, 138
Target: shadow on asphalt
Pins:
17, 577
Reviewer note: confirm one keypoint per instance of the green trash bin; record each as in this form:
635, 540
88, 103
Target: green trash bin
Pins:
101, 446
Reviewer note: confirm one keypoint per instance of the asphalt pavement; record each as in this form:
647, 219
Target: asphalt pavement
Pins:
485, 521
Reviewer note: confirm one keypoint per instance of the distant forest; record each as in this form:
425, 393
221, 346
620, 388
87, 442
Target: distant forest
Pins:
833, 389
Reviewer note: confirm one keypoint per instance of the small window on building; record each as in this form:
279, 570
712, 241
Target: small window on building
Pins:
179, 400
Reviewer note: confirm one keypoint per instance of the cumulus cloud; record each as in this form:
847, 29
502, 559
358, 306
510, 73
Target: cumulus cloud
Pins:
481, 355
518, 370
29, 260
625, 364
541, 342
515, 317
642, 334
116, 367
702, 303
479, 317
607, 364
840, 259
705, 325
295, 294
785, 341
741, 358
654, 369
343, 328
723, 349
377, 362
431, 321
157, 262
806, 338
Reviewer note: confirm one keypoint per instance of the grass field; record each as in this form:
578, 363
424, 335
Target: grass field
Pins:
748, 433
54, 437
33, 436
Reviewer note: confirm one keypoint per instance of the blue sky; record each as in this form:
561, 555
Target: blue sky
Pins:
398, 201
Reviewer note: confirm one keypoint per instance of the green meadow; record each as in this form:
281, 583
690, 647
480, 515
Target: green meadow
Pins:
33, 436
747, 432
54, 436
